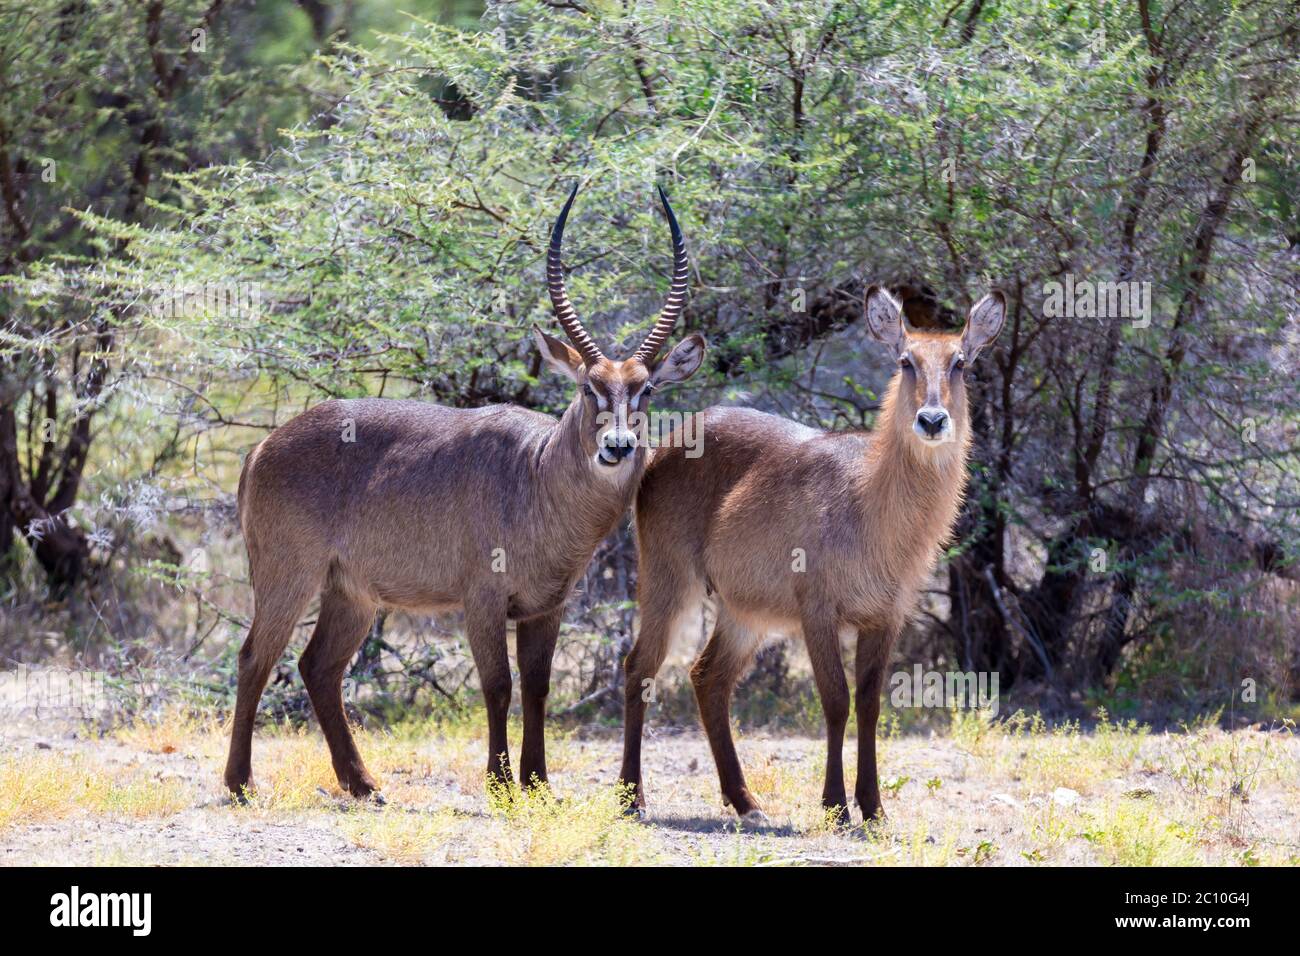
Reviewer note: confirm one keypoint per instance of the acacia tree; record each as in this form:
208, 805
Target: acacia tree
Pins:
98, 103
1126, 461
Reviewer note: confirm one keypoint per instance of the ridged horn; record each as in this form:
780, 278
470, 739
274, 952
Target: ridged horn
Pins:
564, 311
676, 293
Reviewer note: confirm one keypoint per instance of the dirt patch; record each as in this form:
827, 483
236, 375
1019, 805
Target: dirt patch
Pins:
151, 794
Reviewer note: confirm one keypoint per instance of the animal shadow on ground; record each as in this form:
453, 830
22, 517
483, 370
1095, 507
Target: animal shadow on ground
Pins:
687, 823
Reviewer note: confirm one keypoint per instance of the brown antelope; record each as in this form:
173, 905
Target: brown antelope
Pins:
793, 529
406, 504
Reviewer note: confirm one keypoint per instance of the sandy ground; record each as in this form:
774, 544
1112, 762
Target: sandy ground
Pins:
984, 795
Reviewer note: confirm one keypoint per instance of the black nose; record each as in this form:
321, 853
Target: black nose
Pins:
620, 448
932, 422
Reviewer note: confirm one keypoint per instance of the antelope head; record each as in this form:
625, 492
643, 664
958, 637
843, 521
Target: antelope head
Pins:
929, 389
612, 394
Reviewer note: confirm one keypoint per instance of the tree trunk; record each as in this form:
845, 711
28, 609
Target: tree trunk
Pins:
61, 549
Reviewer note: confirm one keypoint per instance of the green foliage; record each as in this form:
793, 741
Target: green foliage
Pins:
383, 209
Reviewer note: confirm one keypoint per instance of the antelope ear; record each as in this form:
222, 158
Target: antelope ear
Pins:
559, 356
682, 362
983, 324
884, 317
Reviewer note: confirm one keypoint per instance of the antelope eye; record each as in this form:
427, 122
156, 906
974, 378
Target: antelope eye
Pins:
904, 362
588, 391
958, 365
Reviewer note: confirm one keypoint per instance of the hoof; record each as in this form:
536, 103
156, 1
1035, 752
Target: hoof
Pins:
872, 817
534, 781
755, 818
635, 812
839, 818
539, 788
240, 793
375, 798
361, 786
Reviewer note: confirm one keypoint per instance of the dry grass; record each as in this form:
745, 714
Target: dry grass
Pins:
38, 788
1014, 792
401, 836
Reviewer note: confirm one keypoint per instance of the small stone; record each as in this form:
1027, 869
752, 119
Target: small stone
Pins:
1065, 797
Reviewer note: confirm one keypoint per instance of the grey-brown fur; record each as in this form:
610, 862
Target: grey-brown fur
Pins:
799, 531
410, 505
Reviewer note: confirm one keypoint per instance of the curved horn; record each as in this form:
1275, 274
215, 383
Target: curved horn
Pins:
676, 293
564, 312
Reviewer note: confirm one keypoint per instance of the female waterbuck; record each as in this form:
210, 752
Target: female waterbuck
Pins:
405, 504
793, 529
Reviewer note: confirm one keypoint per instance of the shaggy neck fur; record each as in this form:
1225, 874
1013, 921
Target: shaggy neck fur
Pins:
911, 493
581, 503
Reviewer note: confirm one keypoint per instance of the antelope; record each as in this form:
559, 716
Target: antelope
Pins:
495, 511
791, 529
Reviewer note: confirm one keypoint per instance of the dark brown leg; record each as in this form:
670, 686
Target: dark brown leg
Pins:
279, 605
659, 611
823, 640
871, 657
485, 623
714, 676
535, 646
343, 624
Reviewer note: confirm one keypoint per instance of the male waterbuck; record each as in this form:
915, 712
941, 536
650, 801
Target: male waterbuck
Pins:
792, 529
406, 504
